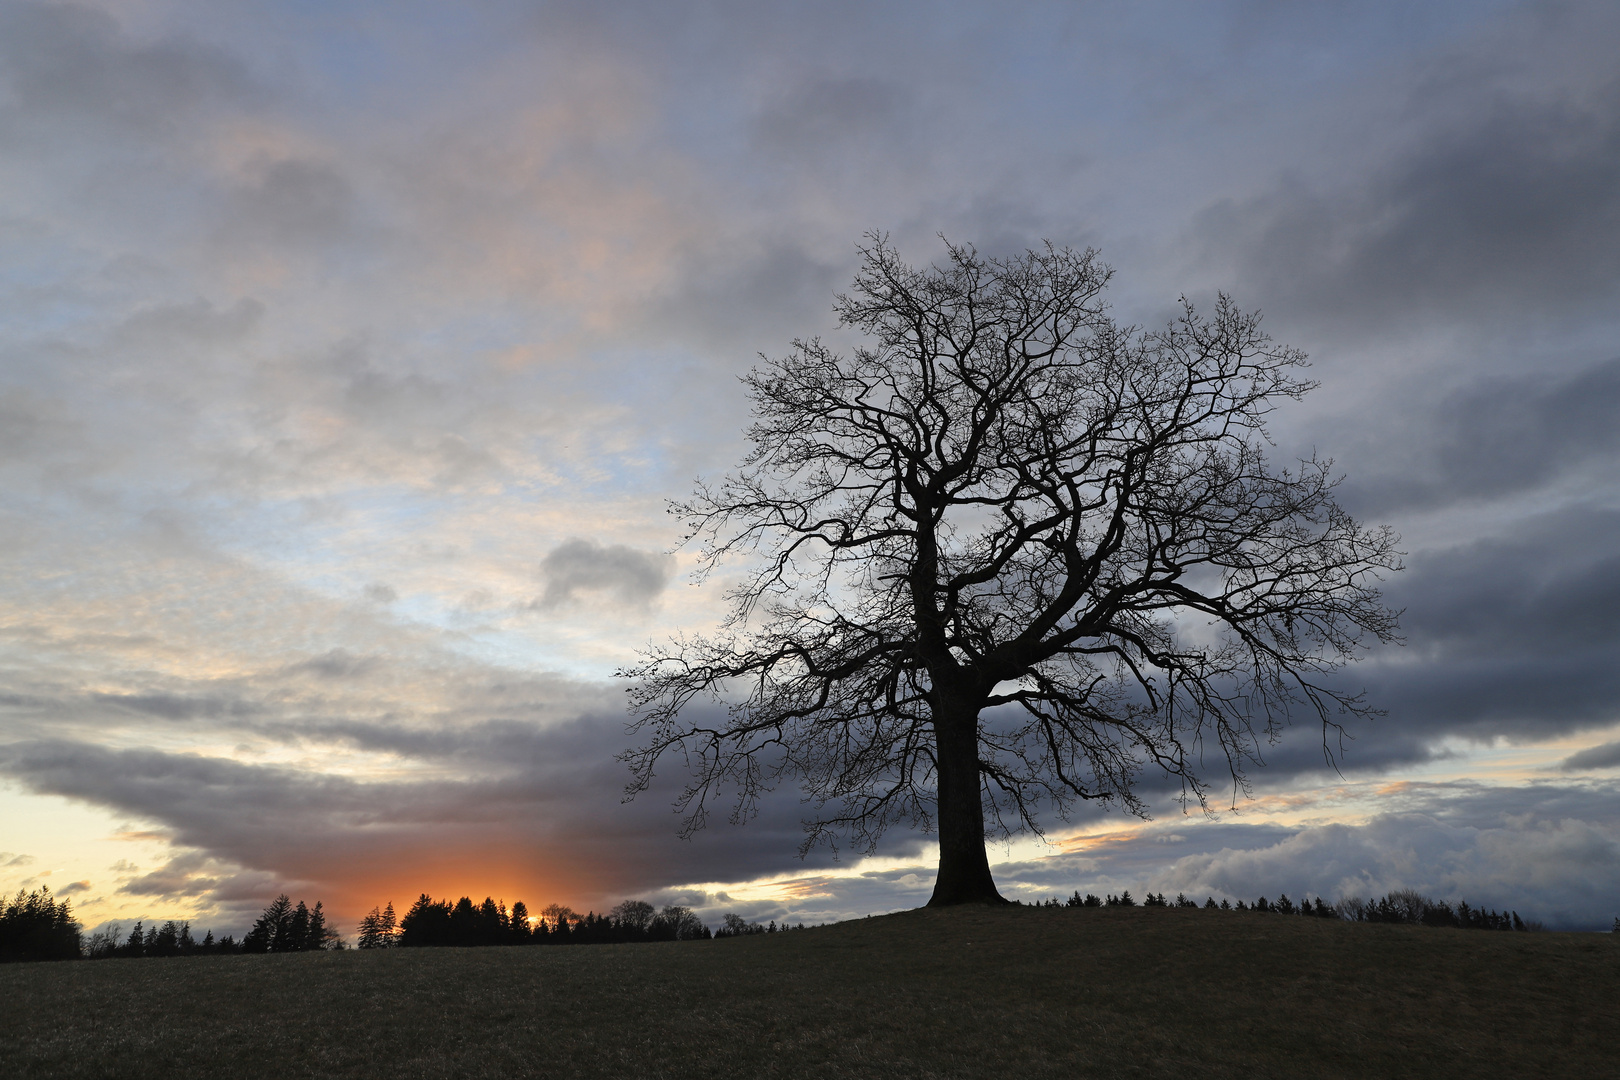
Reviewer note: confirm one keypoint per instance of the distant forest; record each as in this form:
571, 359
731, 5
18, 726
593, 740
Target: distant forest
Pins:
1400, 906
37, 926
432, 922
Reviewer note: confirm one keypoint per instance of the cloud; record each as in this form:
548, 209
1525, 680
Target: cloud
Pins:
65, 62
199, 322
1551, 851
816, 123
339, 663
290, 202
1606, 756
1562, 871
8, 858
504, 806
1493, 438
176, 707
1510, 211
381, 593
1513, 634
73, 887
625, 575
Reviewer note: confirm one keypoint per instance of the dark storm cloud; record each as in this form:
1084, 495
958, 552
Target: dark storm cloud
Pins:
623, 574
1493, 438
1514, 636
1517, 634
549, 798
1514, 434
1511, 211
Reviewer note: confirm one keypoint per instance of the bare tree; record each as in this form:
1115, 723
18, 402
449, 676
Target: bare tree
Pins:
635, 915
1005, 556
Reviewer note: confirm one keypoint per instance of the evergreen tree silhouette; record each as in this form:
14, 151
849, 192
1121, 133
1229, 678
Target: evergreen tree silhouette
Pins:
518, 931
35, 926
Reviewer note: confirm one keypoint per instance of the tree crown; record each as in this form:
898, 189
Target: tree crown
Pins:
1008, 506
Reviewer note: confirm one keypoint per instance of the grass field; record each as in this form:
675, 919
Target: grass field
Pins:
959, 993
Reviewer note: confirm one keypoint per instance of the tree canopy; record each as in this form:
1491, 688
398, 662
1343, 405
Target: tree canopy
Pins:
1001, 558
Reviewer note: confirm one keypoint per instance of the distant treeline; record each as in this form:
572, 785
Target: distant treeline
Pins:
431, 922
281, 928
36, 926
1400, 906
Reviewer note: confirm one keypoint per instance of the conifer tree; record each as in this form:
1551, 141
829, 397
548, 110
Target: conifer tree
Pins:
270, 931
518, 930
35, 926
369, 932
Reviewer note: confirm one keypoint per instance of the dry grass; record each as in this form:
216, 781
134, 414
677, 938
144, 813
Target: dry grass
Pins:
961, 993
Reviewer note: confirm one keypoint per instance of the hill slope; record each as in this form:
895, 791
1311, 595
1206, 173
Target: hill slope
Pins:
957, 993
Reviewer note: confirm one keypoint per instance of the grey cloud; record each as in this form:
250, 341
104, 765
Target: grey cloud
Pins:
177, 878
545, 797
292, 202
1513, 434
1510, 212
73, 887
341, 663
1606, 756
34, 426
1550, 851
815, 121
71, 61
1493, 438
1513, 635
739, 297
199, 321
9, 859
1564, 872
389, 679
180, 707
628, 576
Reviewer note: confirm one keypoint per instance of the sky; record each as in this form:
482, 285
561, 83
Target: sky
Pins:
349, 354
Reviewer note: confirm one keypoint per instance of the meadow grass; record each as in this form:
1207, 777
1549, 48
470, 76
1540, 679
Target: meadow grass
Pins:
973, 992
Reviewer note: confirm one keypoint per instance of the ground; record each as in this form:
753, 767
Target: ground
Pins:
973, 992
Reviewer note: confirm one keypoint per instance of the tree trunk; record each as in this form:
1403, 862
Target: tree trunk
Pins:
964, 870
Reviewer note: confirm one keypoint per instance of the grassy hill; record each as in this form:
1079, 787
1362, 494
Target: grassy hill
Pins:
960, 993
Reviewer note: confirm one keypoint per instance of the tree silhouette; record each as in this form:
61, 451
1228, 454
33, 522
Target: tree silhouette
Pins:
1004, 556
378, 929
634, 916
285, 928
518, 930
36, 926
426, 923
